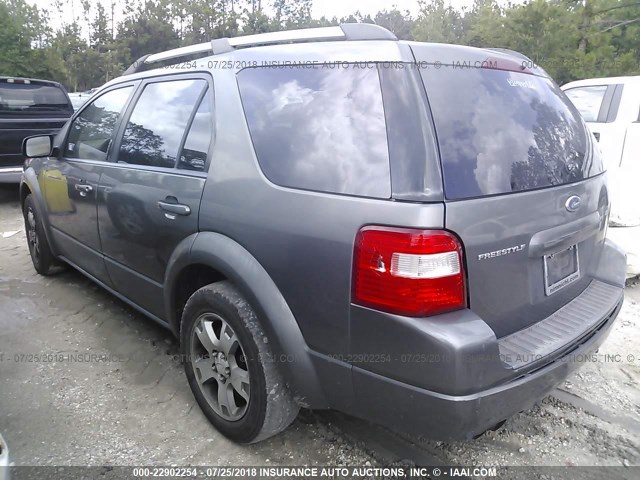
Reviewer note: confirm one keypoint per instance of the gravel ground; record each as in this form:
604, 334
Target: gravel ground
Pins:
137, 408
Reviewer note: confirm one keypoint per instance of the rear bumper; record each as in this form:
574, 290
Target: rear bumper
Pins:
456, 417
10, 174
449, 377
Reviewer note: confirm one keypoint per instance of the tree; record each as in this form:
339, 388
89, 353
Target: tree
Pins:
100, 37
16, 46
484, 24
545, 31
570, 38
147, 29
69, 45
213, 19
25, 42
257, 22
400, 23
438, 23
292, 13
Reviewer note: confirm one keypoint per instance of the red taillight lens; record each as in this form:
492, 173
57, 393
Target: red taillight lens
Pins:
409, 272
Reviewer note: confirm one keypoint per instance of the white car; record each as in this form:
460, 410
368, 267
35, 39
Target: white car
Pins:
611, 108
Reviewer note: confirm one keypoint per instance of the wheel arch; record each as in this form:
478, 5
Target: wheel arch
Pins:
224, 259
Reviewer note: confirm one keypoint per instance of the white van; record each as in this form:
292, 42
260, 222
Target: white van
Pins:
611, 108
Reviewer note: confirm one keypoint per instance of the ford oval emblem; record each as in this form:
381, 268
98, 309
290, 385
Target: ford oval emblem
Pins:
573, 203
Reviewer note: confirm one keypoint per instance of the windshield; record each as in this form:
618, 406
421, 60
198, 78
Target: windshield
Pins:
29, 98
502, 131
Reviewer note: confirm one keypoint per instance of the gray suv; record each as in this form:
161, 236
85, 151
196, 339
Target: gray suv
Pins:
411, 233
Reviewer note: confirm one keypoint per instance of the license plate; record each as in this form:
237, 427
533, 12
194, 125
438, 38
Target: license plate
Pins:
561, 269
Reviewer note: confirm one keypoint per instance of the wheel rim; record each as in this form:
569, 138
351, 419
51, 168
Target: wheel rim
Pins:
32, 235
219, 366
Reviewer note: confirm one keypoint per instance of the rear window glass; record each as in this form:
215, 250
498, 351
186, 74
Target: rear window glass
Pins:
17, 97
502, 131
319, 129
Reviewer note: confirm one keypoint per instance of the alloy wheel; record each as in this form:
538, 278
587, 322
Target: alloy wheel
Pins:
32, 235
220, 367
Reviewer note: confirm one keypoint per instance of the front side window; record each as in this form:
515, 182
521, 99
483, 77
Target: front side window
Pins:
158, 123
91, 132
587, 100
319, 129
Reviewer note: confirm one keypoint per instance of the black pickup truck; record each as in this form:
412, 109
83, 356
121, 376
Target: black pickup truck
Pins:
27, 107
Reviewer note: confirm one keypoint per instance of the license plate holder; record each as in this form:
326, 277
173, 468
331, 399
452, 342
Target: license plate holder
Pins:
561, 269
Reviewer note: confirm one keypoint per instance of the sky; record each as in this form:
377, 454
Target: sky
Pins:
342, 8
328, 8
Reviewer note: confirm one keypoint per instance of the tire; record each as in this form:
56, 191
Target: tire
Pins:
255, 402
41, 256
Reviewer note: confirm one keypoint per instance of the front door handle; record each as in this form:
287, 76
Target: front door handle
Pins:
175, 208
83, 188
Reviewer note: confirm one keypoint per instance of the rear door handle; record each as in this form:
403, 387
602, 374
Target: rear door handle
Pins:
175, 208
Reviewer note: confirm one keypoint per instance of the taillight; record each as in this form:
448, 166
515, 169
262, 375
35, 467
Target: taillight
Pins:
408, 272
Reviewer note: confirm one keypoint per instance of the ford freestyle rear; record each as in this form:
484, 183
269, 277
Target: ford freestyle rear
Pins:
411, 233
523, 186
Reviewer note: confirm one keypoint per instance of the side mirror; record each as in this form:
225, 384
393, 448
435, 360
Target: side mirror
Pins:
37, 146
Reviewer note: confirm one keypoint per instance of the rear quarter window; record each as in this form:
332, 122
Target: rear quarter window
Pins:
502, 131
320, 129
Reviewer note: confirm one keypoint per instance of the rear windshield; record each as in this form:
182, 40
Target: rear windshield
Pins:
501, 131
30, 98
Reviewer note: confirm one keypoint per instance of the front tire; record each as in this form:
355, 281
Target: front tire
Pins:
41, 256
230, 366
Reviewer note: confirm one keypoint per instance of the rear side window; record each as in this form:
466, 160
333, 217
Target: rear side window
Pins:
587, 100
158, 123
502, 131
320, 129
32, 98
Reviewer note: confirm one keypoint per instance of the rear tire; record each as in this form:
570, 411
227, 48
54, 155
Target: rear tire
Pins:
230, 367
41, 256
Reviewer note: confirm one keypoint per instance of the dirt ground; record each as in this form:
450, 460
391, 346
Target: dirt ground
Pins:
136, 408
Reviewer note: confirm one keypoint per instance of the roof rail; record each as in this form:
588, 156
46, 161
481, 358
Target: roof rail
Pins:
346, 31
